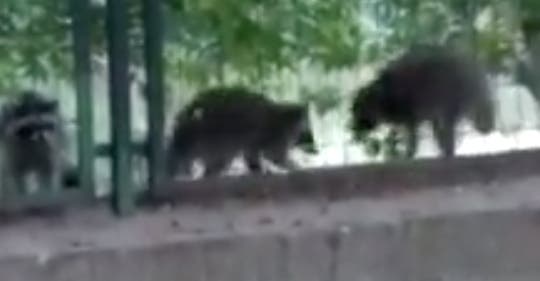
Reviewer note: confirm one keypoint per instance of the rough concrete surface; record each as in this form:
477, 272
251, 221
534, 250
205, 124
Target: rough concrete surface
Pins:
466, 232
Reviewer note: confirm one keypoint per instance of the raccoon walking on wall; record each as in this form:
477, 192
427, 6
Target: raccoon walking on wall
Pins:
222, 123
427, 83
32, 142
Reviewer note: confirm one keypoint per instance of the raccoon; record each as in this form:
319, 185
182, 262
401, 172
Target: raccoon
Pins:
222, 123
427, 83
32, 141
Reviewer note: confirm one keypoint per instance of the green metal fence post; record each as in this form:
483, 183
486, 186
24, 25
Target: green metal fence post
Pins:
153, 43
81, 49
117, 24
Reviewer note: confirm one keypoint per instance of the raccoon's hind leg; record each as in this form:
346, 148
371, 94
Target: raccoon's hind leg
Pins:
253, 161
178, 162
412, 139
13, 183
444, 131
50, 177
483, 114
278, 155
50, 181
217, 160
13, 186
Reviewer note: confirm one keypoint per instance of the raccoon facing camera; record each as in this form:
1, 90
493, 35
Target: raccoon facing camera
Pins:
32, 142
427, 83
223, 123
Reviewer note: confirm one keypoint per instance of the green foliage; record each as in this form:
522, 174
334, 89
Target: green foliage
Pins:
206, 39
324, 98
33, 41
529, 8
258, 38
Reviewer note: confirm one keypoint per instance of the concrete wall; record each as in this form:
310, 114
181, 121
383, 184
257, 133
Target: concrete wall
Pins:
478, 221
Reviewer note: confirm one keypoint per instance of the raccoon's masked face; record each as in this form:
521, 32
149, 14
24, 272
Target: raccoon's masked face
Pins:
36, 132
34, 121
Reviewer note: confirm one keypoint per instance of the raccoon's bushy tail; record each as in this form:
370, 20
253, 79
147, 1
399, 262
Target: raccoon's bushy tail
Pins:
483, 115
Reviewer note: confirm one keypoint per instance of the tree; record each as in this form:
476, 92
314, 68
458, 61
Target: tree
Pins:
203, 37
33, 41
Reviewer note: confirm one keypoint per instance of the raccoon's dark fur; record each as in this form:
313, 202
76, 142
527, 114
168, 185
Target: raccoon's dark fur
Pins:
427, 83
222, 123
32, 141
